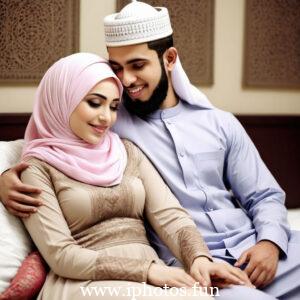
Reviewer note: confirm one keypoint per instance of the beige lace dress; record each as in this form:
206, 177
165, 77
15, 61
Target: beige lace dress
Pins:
95, 237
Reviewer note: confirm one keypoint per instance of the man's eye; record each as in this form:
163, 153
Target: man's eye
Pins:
93, 104
116, 70
138, 66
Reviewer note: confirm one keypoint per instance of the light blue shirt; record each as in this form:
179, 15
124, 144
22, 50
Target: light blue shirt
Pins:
209, 162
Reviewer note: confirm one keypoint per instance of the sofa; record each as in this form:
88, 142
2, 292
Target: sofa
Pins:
22, 270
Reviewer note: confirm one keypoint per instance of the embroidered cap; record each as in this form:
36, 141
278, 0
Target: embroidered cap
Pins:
137, 23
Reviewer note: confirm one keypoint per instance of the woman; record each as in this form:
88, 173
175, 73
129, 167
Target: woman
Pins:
96, 190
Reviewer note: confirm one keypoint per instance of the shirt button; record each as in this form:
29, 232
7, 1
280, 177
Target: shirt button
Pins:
210, 209
181, 154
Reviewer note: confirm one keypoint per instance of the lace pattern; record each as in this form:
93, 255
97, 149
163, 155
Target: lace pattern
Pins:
192, 245
112, 232
116, 268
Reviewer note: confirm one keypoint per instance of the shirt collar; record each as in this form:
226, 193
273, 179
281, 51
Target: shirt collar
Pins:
167, 112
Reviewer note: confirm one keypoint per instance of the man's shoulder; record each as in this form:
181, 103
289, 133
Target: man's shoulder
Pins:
214, 114
221, 121
124, 119
220, 112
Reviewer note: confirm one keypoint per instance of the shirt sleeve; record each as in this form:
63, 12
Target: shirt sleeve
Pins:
168, 218
255, 187
50, 232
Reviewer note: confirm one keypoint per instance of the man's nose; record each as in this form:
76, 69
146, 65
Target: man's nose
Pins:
128, 78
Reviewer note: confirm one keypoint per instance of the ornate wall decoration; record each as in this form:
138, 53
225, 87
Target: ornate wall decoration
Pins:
33, 35
193, 26
272, 44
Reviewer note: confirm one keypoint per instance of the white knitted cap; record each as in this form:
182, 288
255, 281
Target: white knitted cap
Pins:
137, 23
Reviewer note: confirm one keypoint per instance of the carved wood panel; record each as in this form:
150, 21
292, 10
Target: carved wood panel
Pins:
33, 35
193, 27
272, 48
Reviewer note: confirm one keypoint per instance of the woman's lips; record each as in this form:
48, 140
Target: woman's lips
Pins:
99, 128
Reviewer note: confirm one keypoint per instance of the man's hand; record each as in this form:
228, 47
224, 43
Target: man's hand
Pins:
262, 260
209, 273
14, 193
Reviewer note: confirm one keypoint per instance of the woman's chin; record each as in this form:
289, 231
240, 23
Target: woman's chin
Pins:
95, 140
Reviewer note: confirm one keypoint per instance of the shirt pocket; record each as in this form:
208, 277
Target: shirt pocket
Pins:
230, 220
209, 168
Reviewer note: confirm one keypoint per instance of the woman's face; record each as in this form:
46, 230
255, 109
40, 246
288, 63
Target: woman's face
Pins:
97, 112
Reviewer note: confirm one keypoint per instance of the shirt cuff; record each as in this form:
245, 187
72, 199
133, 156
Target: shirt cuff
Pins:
276, 235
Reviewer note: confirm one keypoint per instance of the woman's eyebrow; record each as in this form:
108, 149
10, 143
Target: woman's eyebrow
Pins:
104, 97
99, 95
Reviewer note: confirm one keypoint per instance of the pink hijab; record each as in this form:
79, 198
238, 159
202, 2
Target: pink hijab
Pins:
48, 135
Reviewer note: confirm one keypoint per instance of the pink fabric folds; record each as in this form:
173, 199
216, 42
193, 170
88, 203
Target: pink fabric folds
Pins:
48, 135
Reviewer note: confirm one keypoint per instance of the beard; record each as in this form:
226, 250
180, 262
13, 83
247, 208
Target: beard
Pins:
143, 108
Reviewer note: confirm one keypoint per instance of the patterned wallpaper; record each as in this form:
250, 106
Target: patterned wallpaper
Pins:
272, 45
33, 35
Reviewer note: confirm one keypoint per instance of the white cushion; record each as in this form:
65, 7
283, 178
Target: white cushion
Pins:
15, 243
294, 218
10, 153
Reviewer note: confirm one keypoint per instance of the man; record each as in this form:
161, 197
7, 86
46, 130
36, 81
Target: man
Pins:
203, 153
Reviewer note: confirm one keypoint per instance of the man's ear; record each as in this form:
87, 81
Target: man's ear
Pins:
170, 57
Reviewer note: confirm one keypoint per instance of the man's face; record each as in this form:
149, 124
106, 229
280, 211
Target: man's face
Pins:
138, 68
142, 75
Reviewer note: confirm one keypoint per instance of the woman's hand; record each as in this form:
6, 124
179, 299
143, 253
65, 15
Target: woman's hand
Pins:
160, 275
209, 273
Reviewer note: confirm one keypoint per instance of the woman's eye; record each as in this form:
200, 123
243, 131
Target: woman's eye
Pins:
93, 104
114, 108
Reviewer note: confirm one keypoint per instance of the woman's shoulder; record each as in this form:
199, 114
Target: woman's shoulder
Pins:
129, 146
35, 162
36, 169
133, 151
37, 165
